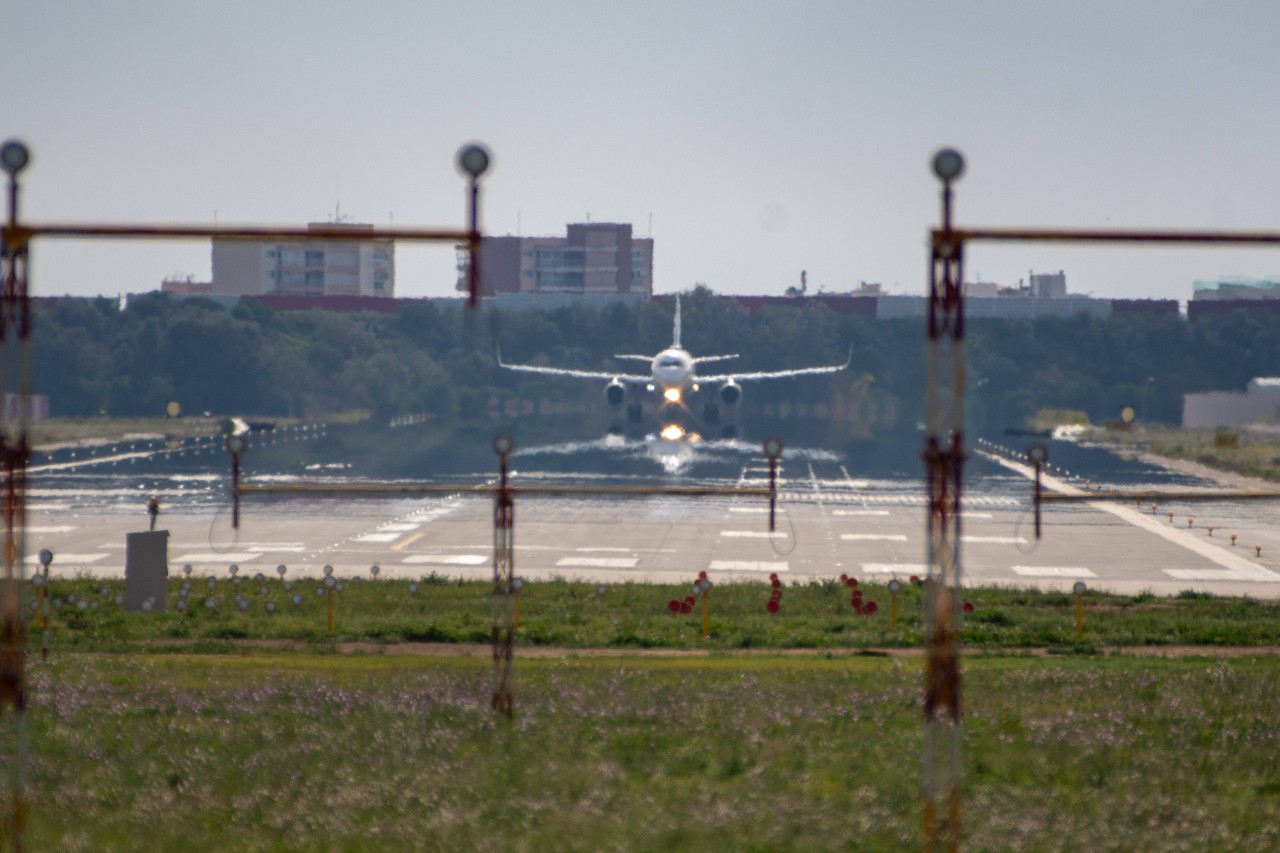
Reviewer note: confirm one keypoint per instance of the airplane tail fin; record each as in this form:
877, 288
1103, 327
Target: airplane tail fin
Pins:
675, 332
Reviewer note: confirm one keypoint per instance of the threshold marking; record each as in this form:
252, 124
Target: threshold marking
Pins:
896, 569
860, 512
874, 537
377, 537
599, 562
749, 509
57, 528
746, 566
290, 547
211, 557
1255, 576
1052, 572
449, 559
994, 540
399, 528
752, 534
59, 559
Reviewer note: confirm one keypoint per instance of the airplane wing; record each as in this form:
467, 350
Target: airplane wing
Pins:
778, 374
577, 374
629, 357
703, 359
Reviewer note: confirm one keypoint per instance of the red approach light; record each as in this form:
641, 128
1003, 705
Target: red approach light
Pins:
673, 606
773, 576
870, 607
844, 579
915, 579
968, 607
777, 594
702, 576
772, 606
689, 600
852, 582
857, 595
686, 608
777, 584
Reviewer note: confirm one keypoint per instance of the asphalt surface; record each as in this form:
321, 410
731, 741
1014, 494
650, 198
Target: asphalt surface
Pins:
829, 522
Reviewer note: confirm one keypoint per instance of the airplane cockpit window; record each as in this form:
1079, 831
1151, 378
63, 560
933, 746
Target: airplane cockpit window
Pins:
669, 362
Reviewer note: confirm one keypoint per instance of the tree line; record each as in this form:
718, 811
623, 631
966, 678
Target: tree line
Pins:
93, 356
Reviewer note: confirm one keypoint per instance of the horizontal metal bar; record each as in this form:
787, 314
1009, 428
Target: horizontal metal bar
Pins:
248, 232
1191, 495
445, 488
1067, 235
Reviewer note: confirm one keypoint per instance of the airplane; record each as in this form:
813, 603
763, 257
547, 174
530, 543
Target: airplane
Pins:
673, 378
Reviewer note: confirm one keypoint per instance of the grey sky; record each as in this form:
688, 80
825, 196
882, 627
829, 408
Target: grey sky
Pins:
762, 138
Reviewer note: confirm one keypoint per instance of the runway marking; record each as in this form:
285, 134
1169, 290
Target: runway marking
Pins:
48, 507
895, 569
967, 514
750, 509
874, 537
993, 540
210, 557
752, 534
68, 558
745, 566
1052, 572
57, 528
1258, 575
377, 537
449, 559
860, 512
607, 550
288, 547
400, 546
399, 528
599, 562
1242, 568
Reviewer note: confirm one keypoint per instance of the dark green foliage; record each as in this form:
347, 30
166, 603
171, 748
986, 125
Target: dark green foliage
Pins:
93, 357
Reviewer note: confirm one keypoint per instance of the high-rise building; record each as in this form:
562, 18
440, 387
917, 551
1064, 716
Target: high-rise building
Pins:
313, 267
593, 258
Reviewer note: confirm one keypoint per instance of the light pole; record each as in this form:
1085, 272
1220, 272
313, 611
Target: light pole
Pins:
1146, 386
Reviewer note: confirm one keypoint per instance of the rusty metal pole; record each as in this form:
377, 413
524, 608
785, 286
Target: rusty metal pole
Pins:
503, 584
16, 316
474, 160
1038, 454
944, 464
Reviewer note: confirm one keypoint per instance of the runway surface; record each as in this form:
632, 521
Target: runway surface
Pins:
830, 521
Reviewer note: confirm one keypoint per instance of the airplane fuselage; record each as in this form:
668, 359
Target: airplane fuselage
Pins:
672, 369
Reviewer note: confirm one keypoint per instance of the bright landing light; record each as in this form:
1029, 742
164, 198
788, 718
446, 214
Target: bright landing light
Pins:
672, 432
672, 395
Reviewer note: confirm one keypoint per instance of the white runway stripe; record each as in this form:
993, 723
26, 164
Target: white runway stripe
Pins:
993, 540
895, 569
860, 512
448, 559
752, 534
212, 557
745, 566
599, 562
874, 537
61, 560
377, 537
1052, 572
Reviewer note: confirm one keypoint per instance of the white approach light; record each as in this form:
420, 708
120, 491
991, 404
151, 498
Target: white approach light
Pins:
672, 432
672, 395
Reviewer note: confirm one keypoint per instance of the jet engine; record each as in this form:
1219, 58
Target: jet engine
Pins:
615, 392
730, 393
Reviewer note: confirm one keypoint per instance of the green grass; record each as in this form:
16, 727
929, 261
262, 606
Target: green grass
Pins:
814, 615
371, 752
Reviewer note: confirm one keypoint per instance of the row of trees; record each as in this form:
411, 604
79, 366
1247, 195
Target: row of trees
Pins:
93, 356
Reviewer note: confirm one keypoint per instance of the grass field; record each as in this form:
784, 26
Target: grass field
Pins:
222, 729
814, 615
379, 752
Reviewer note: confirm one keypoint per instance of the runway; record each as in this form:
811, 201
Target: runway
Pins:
830, 521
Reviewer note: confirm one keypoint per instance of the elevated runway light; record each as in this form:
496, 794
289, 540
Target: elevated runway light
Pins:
948, 165
1079, 589
14, 156
473, 160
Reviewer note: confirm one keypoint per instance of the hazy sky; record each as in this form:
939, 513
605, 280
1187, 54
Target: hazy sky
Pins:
759, 138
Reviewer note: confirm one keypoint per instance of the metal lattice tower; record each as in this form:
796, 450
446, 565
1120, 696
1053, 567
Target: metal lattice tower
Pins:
504, 576
944, 465
15, 337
